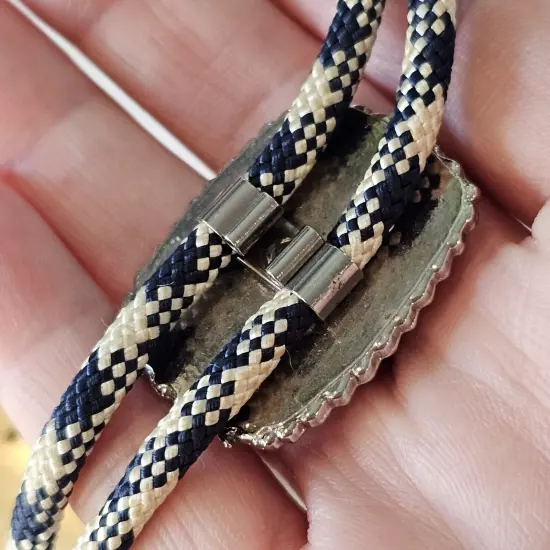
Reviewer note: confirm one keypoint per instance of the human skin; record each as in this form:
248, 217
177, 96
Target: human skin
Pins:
449, 447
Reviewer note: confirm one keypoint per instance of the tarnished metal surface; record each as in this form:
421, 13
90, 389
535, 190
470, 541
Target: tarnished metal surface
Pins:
345, 350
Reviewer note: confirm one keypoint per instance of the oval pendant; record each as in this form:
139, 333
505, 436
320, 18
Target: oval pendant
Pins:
347, 349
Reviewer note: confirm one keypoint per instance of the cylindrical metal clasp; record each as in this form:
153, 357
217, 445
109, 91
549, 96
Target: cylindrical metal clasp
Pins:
300, 249
318, 273
325, 280
241, 214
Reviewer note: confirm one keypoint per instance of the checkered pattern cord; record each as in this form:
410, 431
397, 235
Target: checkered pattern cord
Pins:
139, 330
396, 177
323, 99
395, 171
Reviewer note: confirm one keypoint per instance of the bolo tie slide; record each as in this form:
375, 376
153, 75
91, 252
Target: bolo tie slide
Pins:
321, 319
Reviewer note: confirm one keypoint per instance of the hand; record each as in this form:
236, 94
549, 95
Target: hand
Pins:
449, 447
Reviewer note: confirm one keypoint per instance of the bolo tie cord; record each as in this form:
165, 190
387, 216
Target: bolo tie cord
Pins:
203, 412
141, 327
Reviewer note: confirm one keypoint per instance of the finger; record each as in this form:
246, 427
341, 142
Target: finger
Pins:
51, 317
496, 122
34, 324
214, 72
425, 449
109, 190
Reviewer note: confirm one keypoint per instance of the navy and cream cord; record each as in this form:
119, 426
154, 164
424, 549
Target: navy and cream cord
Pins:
247, 360
139, 329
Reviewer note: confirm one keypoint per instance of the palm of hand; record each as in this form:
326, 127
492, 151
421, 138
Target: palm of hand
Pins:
449, 447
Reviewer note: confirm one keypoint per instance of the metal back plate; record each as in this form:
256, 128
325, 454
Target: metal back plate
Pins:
345, 350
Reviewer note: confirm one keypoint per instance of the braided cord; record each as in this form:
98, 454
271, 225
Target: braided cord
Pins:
323, 100
196, 418
106, 377
395, 171
395, 174
138, 331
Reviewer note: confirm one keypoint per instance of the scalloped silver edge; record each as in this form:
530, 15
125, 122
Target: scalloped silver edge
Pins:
319, 409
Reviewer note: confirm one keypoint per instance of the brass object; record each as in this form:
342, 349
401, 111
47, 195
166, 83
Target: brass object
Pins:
346, 350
